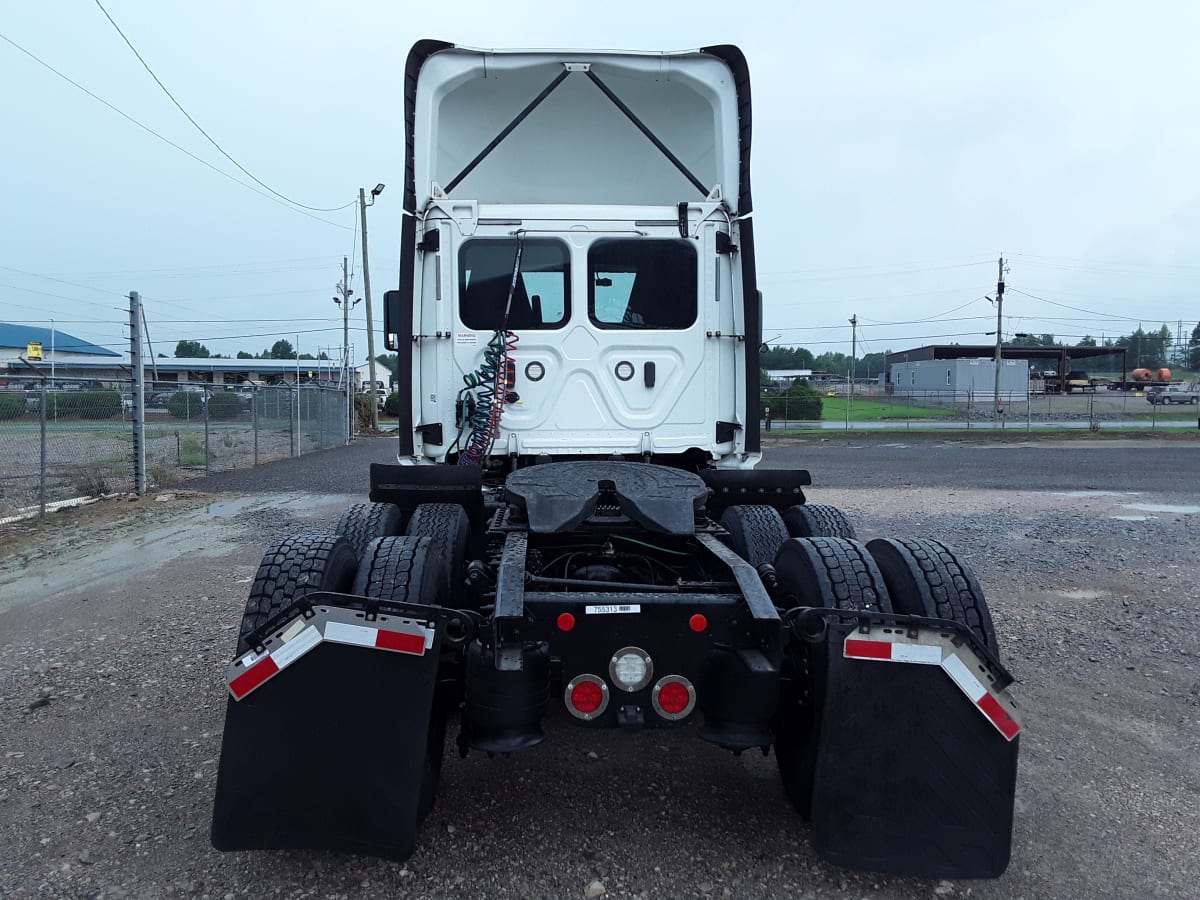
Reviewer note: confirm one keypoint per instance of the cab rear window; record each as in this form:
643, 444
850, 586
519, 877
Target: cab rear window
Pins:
542, 297
642, 283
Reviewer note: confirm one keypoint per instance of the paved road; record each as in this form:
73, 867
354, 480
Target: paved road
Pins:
834, 461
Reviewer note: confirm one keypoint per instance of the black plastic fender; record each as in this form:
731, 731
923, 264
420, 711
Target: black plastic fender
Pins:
294, 770
911, 778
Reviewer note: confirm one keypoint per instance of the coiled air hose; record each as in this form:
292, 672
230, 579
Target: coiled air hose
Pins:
485, 391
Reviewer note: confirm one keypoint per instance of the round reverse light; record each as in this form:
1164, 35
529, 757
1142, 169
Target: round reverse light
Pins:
624, 370
673, 697
586, 696
630, 668
535, 371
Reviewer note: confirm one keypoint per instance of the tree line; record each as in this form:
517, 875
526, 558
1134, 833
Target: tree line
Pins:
1144, 349
281, 349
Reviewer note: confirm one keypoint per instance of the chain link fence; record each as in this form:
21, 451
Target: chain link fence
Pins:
870, 406
66, 440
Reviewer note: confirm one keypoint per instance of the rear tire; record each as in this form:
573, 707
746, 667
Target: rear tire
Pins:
409, 570
830, 572
293, 567
449, 528
363, 522
817, 520
818, 572
755, 532
928, 578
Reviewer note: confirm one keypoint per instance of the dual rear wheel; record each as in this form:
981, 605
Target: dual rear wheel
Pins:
819, 563
369, 558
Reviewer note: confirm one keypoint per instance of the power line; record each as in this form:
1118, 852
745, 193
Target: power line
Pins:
766, 277
883, 324
1079, 308
26, 290
207, 136
165, 140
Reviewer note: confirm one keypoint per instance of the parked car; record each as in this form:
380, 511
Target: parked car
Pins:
1173, 393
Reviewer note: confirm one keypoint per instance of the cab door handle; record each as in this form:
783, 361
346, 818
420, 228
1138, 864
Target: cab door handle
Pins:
648, 374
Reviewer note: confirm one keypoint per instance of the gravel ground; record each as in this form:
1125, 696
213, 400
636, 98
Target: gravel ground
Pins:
116, 621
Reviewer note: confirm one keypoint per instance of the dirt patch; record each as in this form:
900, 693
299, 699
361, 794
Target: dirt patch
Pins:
112, 696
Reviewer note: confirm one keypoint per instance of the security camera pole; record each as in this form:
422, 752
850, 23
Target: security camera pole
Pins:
366, 270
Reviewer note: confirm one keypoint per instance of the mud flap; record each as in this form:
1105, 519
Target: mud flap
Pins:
916, 762
326, 749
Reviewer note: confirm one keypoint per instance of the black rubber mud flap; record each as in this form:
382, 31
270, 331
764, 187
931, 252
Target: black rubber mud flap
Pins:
911, 778
329, 754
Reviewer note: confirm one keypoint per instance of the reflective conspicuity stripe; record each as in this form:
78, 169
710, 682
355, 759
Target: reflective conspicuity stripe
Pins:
975, 689
338, 626
924, 654
257, 670
931, 649
414, 641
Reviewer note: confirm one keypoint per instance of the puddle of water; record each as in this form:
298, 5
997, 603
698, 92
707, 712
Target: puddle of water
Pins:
1133, 518
1095, 493
1165, 508
138, 555
1080, 595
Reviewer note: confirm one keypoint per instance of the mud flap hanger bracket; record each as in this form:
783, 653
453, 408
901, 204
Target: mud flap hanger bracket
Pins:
812, 623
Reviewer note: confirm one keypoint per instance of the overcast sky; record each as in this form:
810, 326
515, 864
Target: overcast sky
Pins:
898, 150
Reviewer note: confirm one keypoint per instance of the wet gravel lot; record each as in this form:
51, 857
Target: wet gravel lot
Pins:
116, 622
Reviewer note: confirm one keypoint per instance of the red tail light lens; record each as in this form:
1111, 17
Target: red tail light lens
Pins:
673, 697
586, 696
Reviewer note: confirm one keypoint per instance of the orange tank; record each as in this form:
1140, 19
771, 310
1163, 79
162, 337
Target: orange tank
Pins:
1142, 375
1163, 374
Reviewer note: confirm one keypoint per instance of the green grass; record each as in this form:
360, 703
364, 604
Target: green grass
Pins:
834, 410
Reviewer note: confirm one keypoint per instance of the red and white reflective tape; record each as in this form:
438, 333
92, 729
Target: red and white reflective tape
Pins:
258, 669
932, 649
408, 637
252, 670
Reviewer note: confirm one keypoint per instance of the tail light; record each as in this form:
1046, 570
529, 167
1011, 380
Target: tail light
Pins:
586, 696
673, 697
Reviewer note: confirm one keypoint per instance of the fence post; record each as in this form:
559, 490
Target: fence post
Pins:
254, 419
42, 466
294, 418
204, 400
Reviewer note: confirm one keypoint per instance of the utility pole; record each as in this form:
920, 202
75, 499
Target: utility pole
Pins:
853, 348
999, 336
139, 392
53, 332
366, 271
344, 302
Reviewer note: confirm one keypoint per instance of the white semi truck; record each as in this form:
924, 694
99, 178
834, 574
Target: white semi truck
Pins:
574, 521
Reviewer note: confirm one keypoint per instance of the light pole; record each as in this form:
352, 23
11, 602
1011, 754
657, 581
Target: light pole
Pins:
53, 332
366, 270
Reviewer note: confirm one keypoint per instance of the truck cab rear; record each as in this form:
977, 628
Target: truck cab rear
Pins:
574, 519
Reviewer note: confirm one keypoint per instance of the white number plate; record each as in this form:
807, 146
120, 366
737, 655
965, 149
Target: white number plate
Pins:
609, 610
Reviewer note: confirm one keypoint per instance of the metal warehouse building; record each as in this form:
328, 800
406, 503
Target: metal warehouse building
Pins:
970, 370
963, 378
